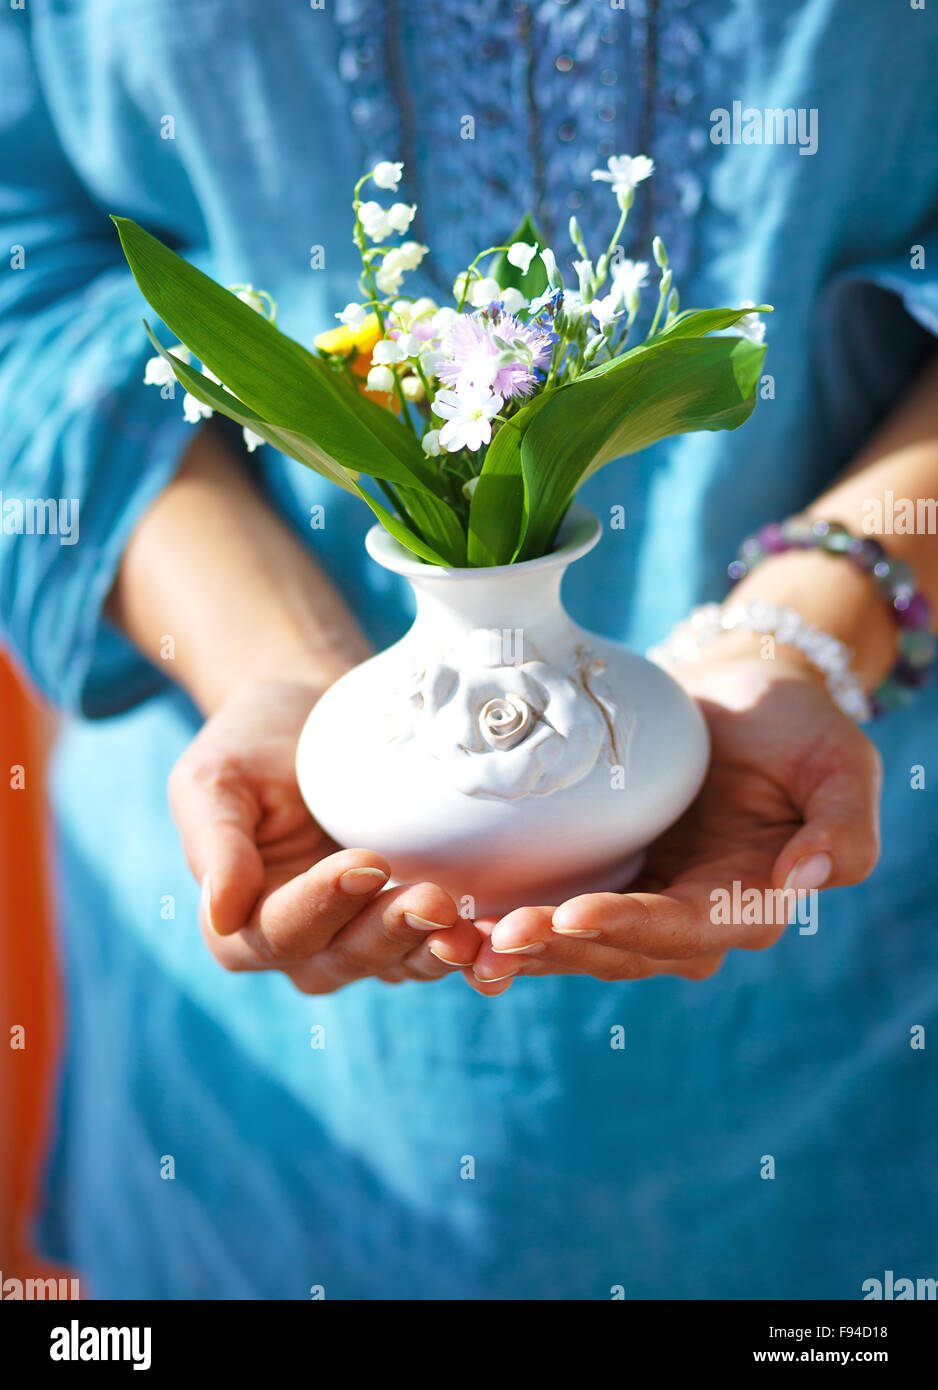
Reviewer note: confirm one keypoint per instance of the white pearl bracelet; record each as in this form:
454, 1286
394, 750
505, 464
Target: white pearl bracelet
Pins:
826, 653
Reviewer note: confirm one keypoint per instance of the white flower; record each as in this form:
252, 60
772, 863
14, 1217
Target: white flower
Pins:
400, 215
432, 359
398, 260
407, 256
584, 273
375, 221
468, 416
413, 388
513, 300
251, 440
522, 254
380, 379
431, 443
422, 307
158, 372
389, 278
388, 350
194, 410
628, 277
483, 292
387, 175
550, 265
625, 171
573, 307
605, 311
443, 319
353, 315
750, 326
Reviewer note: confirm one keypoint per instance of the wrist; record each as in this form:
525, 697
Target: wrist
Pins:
834, 597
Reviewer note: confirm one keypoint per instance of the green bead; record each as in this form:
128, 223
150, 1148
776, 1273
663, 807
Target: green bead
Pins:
918, 648
838, 542
892, 696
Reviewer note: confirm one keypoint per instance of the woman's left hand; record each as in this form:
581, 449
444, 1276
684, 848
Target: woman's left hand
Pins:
790, 801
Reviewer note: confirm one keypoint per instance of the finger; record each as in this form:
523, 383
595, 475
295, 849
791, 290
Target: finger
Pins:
544, 952
216, 815
379, 938
838, 796
303, 914
442, 953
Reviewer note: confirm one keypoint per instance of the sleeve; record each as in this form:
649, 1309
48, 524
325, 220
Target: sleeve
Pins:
85, 446
878, 322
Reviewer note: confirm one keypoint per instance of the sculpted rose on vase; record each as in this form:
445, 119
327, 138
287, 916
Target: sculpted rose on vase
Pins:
506, 728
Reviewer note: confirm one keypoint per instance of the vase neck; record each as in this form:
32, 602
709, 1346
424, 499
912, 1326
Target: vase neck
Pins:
455, 604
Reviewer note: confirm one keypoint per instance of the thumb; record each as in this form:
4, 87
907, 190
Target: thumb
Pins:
838, 797
216, 814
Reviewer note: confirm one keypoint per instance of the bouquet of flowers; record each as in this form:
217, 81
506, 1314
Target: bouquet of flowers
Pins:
477, 420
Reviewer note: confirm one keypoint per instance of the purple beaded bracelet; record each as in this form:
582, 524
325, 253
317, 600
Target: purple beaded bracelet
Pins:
908, 606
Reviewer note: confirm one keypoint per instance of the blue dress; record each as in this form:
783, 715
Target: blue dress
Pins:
235, 130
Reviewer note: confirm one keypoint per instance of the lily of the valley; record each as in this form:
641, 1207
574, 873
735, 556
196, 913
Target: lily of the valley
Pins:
521, 254
387, 174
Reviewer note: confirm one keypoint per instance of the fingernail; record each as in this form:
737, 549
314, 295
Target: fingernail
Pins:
811, 872
492, 979
422, 924
207, 902
458, 964
582, 932
359, 881
530, 950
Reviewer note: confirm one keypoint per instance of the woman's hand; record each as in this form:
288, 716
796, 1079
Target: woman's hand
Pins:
790, 800
277, 894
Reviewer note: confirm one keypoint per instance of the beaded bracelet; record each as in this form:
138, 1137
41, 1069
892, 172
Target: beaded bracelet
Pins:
894, 580
826, 654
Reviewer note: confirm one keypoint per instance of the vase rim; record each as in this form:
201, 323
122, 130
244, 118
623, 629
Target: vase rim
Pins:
579, 532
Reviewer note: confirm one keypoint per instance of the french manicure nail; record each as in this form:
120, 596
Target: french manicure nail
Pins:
422, 924
457, 964
361, 881
492, 979
581, 932
207, 902
531, 949
811, 872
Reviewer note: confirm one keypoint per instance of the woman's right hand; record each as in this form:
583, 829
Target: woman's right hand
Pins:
277, 893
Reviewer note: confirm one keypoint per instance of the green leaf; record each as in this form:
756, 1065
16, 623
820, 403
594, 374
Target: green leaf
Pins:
495, 516
401, 531
666, 387
278, 379
510, 277
294, 445
694, 323
497, 512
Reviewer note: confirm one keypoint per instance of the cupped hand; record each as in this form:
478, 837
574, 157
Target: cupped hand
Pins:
790, 800
277, 893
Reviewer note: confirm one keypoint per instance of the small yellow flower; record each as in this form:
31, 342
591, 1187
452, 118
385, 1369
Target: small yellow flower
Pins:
343, 340
357, 344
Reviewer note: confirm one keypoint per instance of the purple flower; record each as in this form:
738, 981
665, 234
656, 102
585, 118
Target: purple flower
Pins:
495, 351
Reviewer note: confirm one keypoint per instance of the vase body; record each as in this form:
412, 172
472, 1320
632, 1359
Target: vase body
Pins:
499, 749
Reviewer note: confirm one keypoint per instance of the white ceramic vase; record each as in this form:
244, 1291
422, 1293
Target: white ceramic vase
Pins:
499, 749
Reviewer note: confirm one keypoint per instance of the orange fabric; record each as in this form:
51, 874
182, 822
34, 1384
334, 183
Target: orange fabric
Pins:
29, 996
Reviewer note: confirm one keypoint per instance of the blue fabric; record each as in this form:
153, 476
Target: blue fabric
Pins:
341, 1166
